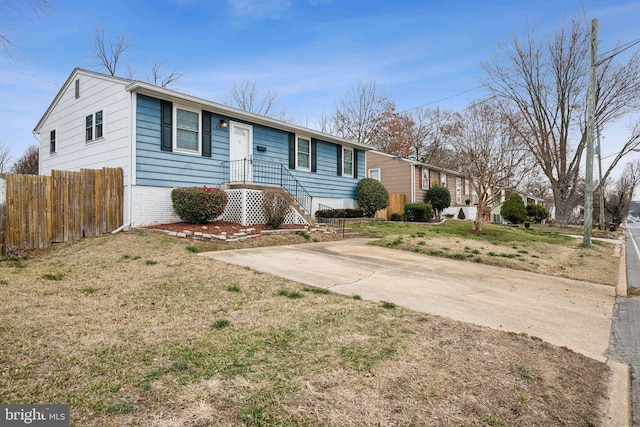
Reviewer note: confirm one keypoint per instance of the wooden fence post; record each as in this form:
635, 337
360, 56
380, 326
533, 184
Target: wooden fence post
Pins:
3, 216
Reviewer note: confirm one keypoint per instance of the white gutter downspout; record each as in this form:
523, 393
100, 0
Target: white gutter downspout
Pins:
413, 183
132, 152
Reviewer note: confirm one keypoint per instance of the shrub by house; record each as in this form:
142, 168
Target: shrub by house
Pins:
371, 196
198, 205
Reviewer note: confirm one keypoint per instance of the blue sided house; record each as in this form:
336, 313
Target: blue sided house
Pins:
163, 139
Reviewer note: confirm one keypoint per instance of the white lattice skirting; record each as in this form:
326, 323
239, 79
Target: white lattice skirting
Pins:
245, 207
152, 205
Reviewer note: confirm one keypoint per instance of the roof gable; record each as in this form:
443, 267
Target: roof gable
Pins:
72, 77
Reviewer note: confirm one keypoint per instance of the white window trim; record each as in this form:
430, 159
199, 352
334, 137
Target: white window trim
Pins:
443, 179
93, 127
353, 165
55, 150
298, 167
379, 173
174, 130
425, 185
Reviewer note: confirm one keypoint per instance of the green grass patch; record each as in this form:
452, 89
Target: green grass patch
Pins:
317, 290
388, 305
193, 249
55, 277
233, 288
220, 323
492, 421
150, 262
290, 294
304, 234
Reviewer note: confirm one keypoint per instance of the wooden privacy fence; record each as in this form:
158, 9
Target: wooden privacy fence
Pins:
66, 206
396, 205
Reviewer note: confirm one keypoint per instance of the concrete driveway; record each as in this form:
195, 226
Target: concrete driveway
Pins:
562, 312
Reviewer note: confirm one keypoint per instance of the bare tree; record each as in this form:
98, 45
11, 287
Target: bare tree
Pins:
246, 96
325, 124
26, 8
431, 138
158, 79
494, 157
545, 79
27, 164
5, 157
108, 53
361, 111
618, 199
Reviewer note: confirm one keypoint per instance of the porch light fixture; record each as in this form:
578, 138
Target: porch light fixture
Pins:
223, 124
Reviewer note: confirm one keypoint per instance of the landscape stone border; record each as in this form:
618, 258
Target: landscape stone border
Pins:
242, 234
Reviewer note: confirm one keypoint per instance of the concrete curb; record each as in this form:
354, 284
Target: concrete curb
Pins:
618, 407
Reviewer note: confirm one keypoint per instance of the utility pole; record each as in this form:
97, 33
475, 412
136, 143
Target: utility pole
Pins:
591, 119
601, 183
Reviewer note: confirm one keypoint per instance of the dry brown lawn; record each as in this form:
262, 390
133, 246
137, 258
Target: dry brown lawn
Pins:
135, 329
541, 251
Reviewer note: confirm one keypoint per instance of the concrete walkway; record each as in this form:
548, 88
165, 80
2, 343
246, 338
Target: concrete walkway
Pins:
562, 312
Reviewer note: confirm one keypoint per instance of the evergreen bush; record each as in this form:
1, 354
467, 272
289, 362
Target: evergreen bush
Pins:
513, 209
371, 196
418, 212
198, 205
537, 212
439, 197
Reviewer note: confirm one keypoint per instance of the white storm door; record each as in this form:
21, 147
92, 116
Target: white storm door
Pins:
240, 149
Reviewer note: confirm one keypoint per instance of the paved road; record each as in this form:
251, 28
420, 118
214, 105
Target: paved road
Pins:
560, 311
625, 340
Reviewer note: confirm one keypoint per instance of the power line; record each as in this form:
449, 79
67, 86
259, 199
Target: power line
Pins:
617, 50
442, 99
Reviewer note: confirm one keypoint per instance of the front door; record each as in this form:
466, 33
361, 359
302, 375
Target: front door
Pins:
240, 149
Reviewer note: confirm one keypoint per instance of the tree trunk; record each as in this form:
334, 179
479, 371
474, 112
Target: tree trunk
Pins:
479, 222
564, 208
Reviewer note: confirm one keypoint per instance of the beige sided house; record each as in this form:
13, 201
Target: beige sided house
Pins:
413, 179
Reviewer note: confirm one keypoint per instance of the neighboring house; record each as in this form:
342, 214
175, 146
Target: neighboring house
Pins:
164, 139
495, 215
413, 179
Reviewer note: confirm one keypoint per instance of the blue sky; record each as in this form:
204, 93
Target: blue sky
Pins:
309, 51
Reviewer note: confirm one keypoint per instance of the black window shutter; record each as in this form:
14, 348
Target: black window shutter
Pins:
355, 163
339, 147
166, 112
314, 157
206, 134
292, 150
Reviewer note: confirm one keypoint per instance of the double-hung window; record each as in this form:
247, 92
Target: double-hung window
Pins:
93, 126
374, 174
347, 161
187, 130
425, 178
52, 141
303, 153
